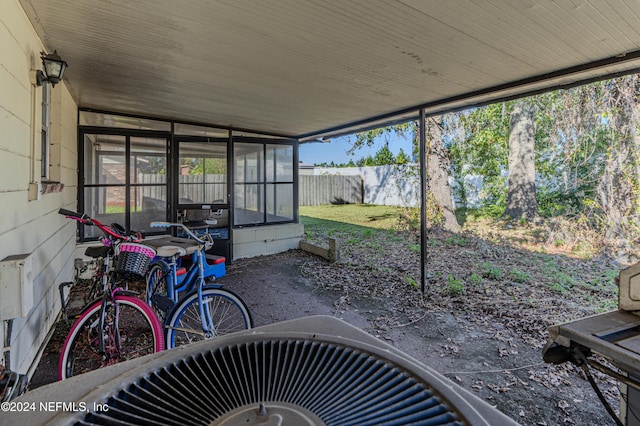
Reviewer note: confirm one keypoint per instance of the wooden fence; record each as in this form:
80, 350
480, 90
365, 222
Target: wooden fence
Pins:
330, 189
191, 187
313, 190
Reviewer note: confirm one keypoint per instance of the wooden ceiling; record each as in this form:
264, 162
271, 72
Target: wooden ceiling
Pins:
309, 68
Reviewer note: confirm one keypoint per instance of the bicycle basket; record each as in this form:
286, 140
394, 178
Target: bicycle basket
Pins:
133, 259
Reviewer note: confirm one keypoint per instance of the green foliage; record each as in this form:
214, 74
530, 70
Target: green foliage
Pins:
478, 145
365, 162
607, 305
561, 282
384, 156
456, 240
156, 165
411, 281
490, 271
488, 212
454, 286
435, 215
573, 139
367, 233
369, 137
205, 165
558, 287
402, 158
475, 279
434, 243
586, 155
409, 218
518, 276
553, 203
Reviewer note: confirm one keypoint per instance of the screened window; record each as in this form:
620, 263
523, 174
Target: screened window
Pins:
125, 181
263, 183
135, 170
147, 181
202, 174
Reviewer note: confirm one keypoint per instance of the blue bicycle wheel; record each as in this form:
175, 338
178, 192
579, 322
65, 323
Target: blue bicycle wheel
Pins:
224, 313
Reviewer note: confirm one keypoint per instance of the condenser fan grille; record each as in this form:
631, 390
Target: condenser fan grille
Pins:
278, 382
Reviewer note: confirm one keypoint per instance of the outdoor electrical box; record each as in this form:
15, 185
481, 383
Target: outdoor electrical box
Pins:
629, 288
16, 286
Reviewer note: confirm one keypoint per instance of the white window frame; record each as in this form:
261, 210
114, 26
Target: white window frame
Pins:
46, 132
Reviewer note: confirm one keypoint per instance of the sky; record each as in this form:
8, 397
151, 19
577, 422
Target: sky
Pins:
336, 150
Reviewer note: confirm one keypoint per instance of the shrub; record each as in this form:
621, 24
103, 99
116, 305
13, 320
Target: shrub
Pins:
454, 286
519, 276
475, 279
490, 271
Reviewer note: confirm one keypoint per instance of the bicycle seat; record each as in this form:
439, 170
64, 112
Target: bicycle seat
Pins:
170, 251
97, 251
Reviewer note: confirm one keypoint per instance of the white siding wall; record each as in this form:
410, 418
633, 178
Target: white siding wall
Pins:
33, 226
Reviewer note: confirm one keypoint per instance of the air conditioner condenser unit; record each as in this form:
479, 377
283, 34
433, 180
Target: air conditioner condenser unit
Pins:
310, 371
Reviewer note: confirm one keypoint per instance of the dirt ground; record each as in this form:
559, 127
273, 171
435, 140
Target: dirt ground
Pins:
488, 359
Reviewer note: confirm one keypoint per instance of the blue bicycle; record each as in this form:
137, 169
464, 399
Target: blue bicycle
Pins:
191, 308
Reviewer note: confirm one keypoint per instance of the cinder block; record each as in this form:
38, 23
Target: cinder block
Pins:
266, 233
293, 230
241, 236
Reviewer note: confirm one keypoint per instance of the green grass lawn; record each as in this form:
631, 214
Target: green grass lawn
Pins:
346, 215
350, 223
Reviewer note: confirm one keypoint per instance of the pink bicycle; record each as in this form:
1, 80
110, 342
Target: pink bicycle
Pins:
116, 326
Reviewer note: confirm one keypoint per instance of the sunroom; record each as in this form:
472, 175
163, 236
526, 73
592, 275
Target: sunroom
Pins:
135, 170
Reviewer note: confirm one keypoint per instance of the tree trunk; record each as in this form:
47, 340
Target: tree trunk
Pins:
440, 204
521, 198
617, 186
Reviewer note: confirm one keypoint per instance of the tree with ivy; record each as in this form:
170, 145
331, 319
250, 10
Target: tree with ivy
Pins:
521, 193
439, 200
618, 186
480, 141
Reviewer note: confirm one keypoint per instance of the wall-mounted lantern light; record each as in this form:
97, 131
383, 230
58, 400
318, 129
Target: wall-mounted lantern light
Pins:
54, 67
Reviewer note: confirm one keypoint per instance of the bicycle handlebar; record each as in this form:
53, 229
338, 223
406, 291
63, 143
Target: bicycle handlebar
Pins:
73, 214
87, 220
159, 224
